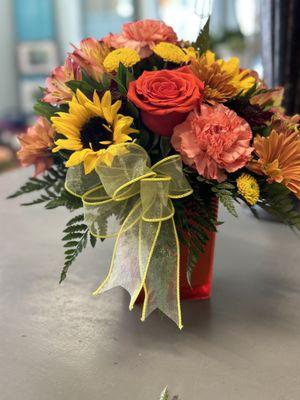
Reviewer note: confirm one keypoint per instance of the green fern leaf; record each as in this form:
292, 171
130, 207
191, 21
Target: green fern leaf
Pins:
75, 240
164, 394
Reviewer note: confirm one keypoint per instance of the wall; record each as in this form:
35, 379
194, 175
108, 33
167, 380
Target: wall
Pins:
68, 16
8, 81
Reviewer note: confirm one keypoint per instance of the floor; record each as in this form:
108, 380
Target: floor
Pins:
57, 342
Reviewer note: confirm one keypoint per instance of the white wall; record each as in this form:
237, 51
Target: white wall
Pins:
68, 15
8, 68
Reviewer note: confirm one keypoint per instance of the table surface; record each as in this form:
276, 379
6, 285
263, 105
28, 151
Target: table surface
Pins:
57, 342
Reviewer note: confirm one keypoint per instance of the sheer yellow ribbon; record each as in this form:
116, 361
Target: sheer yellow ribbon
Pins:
132, 201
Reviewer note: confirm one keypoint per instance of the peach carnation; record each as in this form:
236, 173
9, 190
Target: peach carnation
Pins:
214, 141
35, 146
142, 36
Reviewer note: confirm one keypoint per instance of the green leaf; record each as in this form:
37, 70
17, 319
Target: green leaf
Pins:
132, 110
106, 82
93, 240
92, 83
227, 201
64, 199
72, 235
226, 196
276, 199
84, 86
120, 78
165, 145
202, 41
75, 242
51, 182
129, 77
164, 394
121, 74
44, 109
195, 217
75, 228
78, 218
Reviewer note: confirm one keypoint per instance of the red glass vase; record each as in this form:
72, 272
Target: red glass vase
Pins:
201, 280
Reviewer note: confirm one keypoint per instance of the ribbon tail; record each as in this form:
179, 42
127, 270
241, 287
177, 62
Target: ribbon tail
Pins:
124, 268
163, 275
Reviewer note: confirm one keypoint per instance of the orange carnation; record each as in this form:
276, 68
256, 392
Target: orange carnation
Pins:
142, 36
214, 141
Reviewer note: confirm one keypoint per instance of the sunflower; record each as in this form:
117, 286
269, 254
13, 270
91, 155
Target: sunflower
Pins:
278, 159
223, 79
92, 129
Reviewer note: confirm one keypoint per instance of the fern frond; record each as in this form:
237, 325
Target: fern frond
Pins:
75, 241
276, 200
64, 199
52, 179
164, 394
226, 197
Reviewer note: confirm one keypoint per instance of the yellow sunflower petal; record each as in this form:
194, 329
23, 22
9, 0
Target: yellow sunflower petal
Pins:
80, 110
90, 162
96, 99
122, 138
69, 131
106, 99
81, 97
95, 110
69, 144
78, 157
116, 107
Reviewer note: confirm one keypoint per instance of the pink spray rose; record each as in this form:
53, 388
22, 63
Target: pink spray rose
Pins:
213, 141
142, 36
57, 92
90, 56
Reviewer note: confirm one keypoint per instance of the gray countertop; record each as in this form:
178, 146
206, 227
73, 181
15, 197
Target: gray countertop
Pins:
57, 342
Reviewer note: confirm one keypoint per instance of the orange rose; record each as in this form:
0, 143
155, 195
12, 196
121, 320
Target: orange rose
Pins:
165, 97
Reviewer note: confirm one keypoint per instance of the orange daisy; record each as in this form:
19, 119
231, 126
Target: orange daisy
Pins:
278, 159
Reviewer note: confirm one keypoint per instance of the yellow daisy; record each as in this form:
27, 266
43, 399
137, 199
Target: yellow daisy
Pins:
248, 188
92, 129
128, 57
170, 52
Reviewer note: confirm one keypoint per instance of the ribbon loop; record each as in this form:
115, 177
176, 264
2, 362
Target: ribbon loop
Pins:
129, 166
172, 167
155, 199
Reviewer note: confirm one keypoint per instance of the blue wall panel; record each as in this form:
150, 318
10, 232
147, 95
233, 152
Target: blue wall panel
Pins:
34, 20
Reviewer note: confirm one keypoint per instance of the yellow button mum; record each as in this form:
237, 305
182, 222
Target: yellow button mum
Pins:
170, 52
128, 57
248, 188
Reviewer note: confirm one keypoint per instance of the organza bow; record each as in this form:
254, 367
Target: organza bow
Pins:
133, 202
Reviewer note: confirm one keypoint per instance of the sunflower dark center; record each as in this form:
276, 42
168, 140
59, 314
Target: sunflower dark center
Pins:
93, 132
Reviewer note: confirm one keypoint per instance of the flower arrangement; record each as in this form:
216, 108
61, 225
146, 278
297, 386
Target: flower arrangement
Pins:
144, 132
